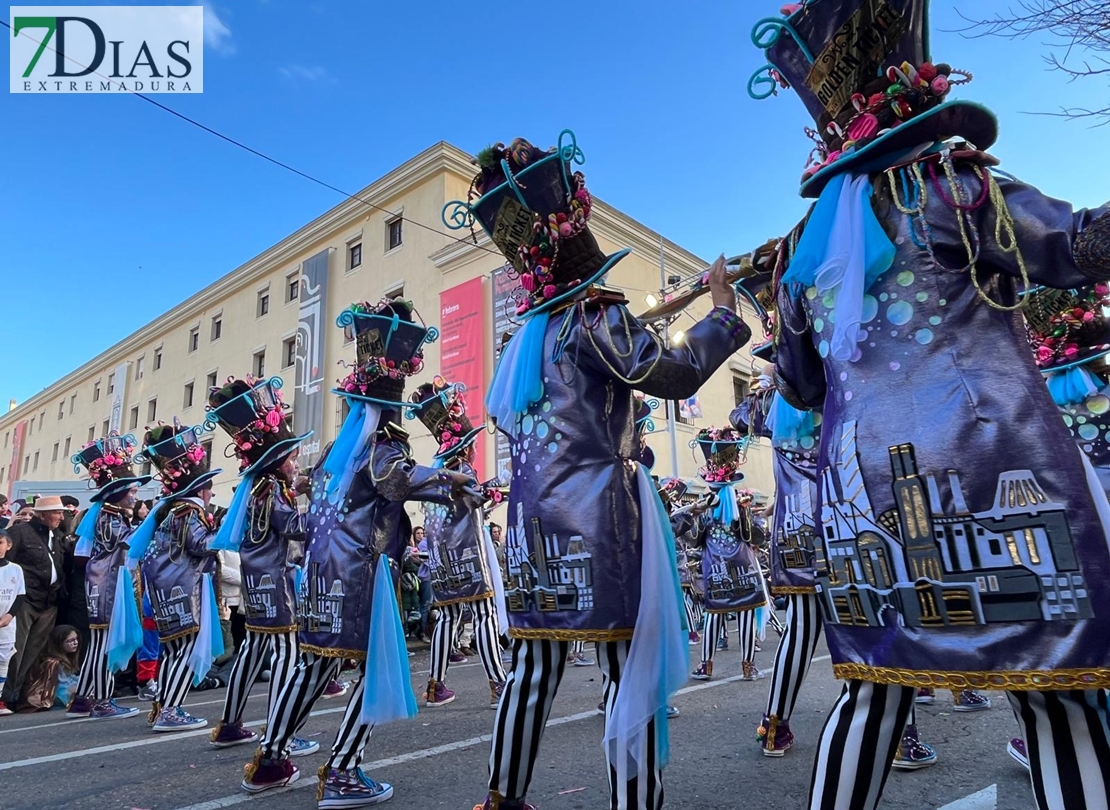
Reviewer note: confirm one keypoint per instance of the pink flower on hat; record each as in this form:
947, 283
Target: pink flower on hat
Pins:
549, 291
939, 85
1044, 355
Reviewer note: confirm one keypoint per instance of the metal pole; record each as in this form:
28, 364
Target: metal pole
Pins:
667, 344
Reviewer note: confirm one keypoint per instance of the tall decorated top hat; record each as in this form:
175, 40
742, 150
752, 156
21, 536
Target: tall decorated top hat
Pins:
108, 462
863, 71
721, 449
253, 414
440, 406
535, 208
1068, 327
180, 458
389, 341
672, 490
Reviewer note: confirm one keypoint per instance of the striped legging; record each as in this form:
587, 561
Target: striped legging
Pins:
485, 636
713, 624
1066, 734
96, 681
794, 654
277, 652
538, 667
694, 611
175, 676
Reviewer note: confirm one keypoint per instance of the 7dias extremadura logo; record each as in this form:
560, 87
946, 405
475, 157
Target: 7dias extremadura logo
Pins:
107, 49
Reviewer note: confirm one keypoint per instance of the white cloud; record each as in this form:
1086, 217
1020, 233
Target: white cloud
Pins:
216, 34
308, 74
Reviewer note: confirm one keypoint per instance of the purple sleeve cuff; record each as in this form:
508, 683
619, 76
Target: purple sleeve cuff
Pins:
732, 322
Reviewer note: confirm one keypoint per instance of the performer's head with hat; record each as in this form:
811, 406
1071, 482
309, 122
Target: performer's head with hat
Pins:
863, 70
183, 464
440, 406
721, 449
1069, 333
672, 491
252, 412
109, 462
535, 208
389, 340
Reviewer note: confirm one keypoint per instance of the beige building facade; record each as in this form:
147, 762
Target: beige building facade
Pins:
393, 244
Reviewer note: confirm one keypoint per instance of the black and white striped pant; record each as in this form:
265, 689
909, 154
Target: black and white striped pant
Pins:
277, 652
694, 611
294, 700
485, 638
96, 681
538, 667
175, 676
714, 622
1066, 735
794, 654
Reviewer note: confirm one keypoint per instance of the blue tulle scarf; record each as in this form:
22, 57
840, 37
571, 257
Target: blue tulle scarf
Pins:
788, 424
125, 628
1072, 386
349, 450
387, 685
139, 540
210, 640
518, 380
86, 531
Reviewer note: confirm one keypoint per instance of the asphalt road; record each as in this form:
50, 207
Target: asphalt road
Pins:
438, 760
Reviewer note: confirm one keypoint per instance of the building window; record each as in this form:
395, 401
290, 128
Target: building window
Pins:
152, 410
188, 402
194, 339
57, 447
354, 256
6, 434
61, 410
210, 380
139, 367
104, 428
207, 450
260, 363
263, 303
395, 292
292, 288
96, 391
342, 408
72, 403
111, 383
1, 475
288, 352
393, 233
92, 433
26, 464
157, 359
35, 468
66, 451
145, 469
740, 390
133, 422
31, 426
217, 327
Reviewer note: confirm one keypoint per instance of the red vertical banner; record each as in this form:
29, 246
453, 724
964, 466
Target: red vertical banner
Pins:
17, 455
462, 352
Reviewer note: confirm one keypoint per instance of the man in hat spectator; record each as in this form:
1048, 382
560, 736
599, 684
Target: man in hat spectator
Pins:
37, 548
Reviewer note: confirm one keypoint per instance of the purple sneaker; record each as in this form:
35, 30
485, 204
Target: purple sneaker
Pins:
437, 694
775, 737
504, 804
1017, 750
353, 788
970, 701
335, 689
925, 696
704, 672
496, 689
177, 719
79, 707
300, 747
263, 774
456, 657
110, 710
912, 753
225, 735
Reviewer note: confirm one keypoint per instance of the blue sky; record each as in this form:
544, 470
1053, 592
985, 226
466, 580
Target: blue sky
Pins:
113, 212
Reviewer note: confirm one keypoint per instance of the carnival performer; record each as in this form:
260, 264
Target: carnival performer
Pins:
356, 525
684, 525
171, 546
731, 577
265, 527
579, 499
953, 549
462, 562
102, 538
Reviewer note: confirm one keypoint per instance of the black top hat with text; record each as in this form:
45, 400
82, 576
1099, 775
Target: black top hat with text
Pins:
440, 406
180, 458
389, 338
108, 462
253, 414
